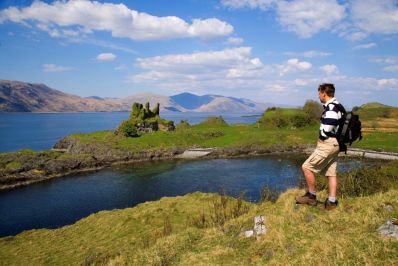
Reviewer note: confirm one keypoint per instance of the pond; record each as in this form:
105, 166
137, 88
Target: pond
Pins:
65, 200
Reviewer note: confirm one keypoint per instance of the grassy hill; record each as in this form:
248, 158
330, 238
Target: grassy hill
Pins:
207, 229
378, 117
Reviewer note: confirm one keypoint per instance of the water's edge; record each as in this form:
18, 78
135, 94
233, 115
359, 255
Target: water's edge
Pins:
32, 176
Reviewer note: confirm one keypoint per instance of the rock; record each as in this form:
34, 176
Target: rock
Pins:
259, 226
389, 228
249, 233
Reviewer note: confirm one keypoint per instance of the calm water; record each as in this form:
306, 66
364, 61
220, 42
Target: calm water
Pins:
65, 200
39, 131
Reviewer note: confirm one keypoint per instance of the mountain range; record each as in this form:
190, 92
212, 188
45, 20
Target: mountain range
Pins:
17, 96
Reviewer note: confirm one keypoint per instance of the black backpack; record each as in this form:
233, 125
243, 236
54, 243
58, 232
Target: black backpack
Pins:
349, 128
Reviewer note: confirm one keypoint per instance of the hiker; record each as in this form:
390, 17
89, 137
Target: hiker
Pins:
324, 159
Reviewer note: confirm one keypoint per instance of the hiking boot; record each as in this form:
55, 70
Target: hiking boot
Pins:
308, 199
330, 205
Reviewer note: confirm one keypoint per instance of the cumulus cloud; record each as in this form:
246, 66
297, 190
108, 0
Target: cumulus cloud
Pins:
235, 40
307, 17
80, 17
228, 68
375, 16
235, 4
365, 46
106, 57
354, 20
330, 69
233, 69
293, 65
236, 71
55, 68
201, 61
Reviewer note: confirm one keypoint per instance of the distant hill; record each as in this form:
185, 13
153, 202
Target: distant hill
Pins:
191, 101
16, 96
374, 105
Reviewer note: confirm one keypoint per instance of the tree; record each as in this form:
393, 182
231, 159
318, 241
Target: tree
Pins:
313, 109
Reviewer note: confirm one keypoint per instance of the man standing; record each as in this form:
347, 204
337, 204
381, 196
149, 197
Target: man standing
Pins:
324, 159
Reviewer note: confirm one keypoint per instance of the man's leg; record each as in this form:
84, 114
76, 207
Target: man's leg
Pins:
332, 186
309, 197
310, 178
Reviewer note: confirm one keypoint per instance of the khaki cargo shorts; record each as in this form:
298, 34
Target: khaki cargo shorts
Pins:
324, 158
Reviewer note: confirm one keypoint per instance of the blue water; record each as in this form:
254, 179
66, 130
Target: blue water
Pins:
65, 200
40, 131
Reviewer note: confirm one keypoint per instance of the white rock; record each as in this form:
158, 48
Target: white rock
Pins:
259, 226
249, 233
389, 229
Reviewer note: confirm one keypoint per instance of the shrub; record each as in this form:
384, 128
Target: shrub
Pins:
301, 120
279, 120
214, 120
313, 109
127, 129
183, 125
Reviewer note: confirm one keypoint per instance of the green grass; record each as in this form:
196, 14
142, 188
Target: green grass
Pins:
379, 141
206, 229
205, 136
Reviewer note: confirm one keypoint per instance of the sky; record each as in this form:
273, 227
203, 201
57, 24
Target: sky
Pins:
263, 50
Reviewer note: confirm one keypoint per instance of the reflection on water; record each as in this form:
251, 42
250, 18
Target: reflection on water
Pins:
65, 200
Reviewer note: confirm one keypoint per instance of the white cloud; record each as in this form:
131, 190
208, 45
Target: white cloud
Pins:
384, 59
65, 18
235, 40
106, 57
308, 17
217, 72
311, 53
224, 69
236, 4
56, 68
375, 16
236, 72
392, 83
330, 69
293, 65
365, 46
393, 68
201, 61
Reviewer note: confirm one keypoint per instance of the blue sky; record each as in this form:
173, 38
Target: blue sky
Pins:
263, 50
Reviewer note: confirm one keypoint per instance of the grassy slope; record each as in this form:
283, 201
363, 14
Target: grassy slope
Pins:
206, 136
135, 236
378, 117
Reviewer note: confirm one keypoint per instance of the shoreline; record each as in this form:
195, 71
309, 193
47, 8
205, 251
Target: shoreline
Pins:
32, 176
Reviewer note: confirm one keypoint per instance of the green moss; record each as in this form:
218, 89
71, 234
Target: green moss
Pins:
13, 165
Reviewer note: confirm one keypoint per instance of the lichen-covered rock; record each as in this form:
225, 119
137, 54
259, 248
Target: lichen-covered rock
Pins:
389, 228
